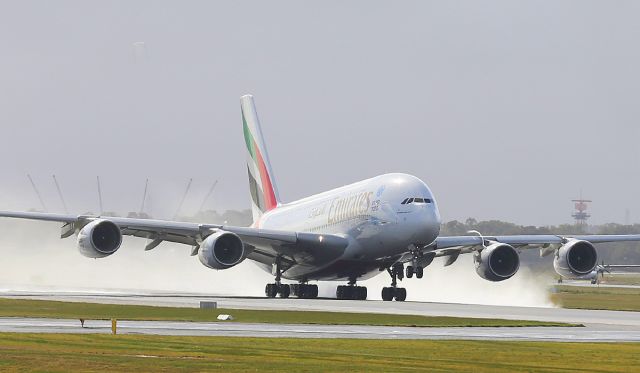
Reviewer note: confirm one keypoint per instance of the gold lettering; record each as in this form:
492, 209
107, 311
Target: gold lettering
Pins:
332, 212
367, 201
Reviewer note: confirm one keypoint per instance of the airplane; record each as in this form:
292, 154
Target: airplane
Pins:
389, 223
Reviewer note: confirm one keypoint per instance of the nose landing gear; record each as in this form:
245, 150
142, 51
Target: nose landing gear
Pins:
389, 293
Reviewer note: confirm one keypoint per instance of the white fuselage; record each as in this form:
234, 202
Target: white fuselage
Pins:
371, 215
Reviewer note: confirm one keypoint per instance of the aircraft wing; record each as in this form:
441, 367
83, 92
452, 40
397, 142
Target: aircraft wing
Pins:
452, 246
527, 240
264, 244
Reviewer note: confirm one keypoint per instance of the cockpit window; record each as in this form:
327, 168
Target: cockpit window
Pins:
415, 200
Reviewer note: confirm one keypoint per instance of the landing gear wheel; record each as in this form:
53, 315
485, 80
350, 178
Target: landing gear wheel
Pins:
313, 291
271, 290
344, 292
387, 294
419, 272
362, 293
400, 294
350, 292
284, 290
295, 290
410, 271
306, 291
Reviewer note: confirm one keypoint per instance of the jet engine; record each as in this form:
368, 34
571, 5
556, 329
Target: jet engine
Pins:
221, 250
575, 259
99, 239
497, 262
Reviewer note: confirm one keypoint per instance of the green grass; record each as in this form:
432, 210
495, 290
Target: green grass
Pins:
127, 353
76, 310
617, 279
597, 298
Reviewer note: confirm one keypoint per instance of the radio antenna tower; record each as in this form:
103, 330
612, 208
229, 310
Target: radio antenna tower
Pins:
35, 189
580, 214
184, 196
99, 195
144, 196
64, 204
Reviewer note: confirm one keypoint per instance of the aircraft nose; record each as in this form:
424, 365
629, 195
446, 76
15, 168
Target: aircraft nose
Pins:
429, 223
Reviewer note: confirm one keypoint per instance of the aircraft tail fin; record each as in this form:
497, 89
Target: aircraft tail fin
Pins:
264, 194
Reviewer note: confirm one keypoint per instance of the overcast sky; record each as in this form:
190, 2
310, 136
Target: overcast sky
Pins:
506, 109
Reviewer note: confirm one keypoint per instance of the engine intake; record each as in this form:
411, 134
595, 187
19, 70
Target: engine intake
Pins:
99, 239
497, 262
222, 250
575, 259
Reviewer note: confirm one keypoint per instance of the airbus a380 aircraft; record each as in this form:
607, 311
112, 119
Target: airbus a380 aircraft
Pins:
346, 234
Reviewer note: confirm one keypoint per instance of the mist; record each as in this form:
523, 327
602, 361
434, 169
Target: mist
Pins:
34, 259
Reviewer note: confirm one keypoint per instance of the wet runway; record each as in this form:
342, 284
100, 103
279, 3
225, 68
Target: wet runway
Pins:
606, 326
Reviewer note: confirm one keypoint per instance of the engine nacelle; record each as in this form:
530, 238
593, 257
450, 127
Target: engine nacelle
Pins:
497, 262
99, 239
575, 259
221, 250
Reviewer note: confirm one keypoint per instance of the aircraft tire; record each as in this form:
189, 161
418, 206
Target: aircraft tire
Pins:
271, 290
419, 272
340, 292
410, 271
362, 293
387, 294
312, 291
284, 290
400, 294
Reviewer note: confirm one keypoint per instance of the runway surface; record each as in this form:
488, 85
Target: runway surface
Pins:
228, 329
607, 326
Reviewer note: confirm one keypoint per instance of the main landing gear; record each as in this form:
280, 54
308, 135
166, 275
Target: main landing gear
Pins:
399, 294
271, 290
304, 291
351, 291
301, 290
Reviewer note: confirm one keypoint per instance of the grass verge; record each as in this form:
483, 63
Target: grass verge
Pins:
76, 310
597, 298
127, 353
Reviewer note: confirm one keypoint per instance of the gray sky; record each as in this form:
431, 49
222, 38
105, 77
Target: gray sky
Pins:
506, 109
